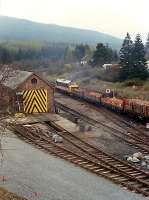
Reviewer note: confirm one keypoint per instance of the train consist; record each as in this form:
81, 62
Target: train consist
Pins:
133, 107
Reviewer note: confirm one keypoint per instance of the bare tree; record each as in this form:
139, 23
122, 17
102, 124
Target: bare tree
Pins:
5, 72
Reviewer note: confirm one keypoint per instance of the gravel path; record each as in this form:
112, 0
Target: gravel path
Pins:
36, 175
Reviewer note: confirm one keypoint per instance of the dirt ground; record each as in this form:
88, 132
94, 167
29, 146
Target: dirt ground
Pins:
5, 195
100, 136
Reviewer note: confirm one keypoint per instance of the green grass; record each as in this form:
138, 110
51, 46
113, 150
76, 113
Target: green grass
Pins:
124, 89
141, 92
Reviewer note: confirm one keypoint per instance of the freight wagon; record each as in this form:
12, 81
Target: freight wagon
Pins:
113, 103
137, 107
133, 107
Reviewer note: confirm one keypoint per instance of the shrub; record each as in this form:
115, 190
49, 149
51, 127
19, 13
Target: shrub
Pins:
132, 82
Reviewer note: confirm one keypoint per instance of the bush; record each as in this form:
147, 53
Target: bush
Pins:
146, 86
132, 82
111, 75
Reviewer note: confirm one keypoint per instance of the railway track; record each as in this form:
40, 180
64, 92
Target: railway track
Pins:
92, 159
122, 123
136, 142
90, 148
136, 132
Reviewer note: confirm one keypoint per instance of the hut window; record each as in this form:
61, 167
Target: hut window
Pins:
34, 81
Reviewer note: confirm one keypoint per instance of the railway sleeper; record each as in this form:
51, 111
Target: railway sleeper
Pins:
106, 172
108, 159
136, 174
90, 165
114, 175
68, 156
115, 163
128, 169
99, 170
49, 147
93, 168
71, 157
55, 151
64, 154
83, 162
77, 161
61, 153
118, 165
121, 179
42, 143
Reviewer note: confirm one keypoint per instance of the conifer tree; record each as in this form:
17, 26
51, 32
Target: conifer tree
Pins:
126, 58
147, 43
147, 48
138, 58
103, 54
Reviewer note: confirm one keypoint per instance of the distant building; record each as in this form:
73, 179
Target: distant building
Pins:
28, 92
147, 64
111, 66
85, 60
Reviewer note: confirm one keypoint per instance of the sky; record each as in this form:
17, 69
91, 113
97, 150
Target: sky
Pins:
115, 17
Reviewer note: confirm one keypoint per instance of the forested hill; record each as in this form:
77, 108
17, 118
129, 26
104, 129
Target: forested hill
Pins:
19, 29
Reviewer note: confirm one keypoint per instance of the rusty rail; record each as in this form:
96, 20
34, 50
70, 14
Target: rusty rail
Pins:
133, 141
134, 180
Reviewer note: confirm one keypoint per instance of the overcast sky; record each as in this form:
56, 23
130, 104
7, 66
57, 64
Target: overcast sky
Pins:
115, 17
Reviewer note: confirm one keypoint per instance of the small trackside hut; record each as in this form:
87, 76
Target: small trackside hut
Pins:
30, 93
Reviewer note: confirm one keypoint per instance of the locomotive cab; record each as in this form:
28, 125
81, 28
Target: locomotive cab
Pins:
73, 87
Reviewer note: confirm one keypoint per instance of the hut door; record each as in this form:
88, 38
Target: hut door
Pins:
19, 102
35, 101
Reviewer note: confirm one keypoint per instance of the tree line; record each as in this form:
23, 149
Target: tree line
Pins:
132, 58
25, 51
68, 53
103, 54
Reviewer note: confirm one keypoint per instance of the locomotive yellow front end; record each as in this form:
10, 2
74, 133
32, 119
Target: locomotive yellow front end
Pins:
73, 87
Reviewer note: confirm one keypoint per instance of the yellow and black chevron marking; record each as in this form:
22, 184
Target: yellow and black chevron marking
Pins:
35, 101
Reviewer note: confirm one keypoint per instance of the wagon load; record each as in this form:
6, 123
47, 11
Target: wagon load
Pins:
95, 95
113, 103
137, 106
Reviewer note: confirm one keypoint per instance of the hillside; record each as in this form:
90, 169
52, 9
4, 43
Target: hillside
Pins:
19, 29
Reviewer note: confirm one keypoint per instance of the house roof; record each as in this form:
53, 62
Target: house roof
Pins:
15, 78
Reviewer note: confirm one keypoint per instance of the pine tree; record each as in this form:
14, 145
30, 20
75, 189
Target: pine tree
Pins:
103, 54
69, 56
115, 56
126, 58
79, 52
139, 61
147, 48
5, 56
147, 43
